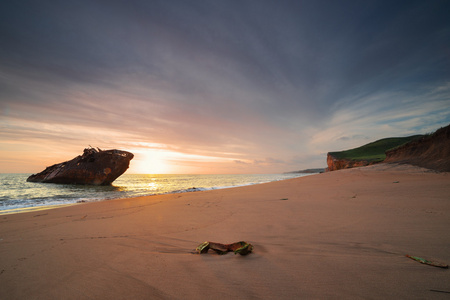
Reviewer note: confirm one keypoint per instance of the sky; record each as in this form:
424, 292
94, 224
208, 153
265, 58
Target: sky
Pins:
218, 87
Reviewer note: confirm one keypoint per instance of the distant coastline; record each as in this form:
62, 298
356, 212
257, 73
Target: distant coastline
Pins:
308, 171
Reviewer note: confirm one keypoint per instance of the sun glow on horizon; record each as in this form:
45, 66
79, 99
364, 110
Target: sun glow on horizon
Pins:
152, 161
163, 161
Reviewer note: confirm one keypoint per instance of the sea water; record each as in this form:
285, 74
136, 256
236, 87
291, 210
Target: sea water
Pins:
16, 194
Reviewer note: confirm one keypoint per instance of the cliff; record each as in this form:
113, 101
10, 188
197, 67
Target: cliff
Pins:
337, 164
365, 155
431, 151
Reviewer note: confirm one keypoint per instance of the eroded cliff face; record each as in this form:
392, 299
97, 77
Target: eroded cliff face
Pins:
338, 164
432, 152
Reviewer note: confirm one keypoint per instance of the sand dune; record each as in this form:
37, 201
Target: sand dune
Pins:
342, 234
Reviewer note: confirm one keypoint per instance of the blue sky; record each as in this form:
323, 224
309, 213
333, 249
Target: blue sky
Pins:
217, 86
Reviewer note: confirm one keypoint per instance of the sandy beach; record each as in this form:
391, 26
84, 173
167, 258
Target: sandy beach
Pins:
336, 235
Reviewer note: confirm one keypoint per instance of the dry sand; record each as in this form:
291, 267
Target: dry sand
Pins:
339, 235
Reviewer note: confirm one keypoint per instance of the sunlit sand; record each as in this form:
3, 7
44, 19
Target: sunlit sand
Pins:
337, 235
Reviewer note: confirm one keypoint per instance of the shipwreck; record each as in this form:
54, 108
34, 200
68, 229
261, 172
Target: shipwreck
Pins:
94, 167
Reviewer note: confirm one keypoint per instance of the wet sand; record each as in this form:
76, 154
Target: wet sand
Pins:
342, 234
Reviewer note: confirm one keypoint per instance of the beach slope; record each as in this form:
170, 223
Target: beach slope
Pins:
341, 234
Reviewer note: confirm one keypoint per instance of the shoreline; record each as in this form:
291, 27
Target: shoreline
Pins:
38, 207
340, 234
20, 210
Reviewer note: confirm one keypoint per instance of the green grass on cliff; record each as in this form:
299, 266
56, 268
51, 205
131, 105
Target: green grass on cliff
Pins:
374, 151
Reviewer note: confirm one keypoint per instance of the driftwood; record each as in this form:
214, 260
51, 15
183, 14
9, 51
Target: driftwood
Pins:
243, 248
95, 167
427, 262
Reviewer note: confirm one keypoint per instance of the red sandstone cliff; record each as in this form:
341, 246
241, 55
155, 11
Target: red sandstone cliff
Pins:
429, 151
337, 164
432, 151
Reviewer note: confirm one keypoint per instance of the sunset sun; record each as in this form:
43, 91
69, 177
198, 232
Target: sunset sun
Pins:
152, 162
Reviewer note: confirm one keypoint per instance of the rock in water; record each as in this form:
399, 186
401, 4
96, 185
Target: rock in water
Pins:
96, 167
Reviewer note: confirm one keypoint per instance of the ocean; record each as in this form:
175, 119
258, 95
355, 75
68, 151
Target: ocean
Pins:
18, 195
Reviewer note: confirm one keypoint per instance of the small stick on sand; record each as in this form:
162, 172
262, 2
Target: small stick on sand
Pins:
427, 262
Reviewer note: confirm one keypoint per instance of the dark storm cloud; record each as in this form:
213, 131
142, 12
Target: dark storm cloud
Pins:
284, 47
